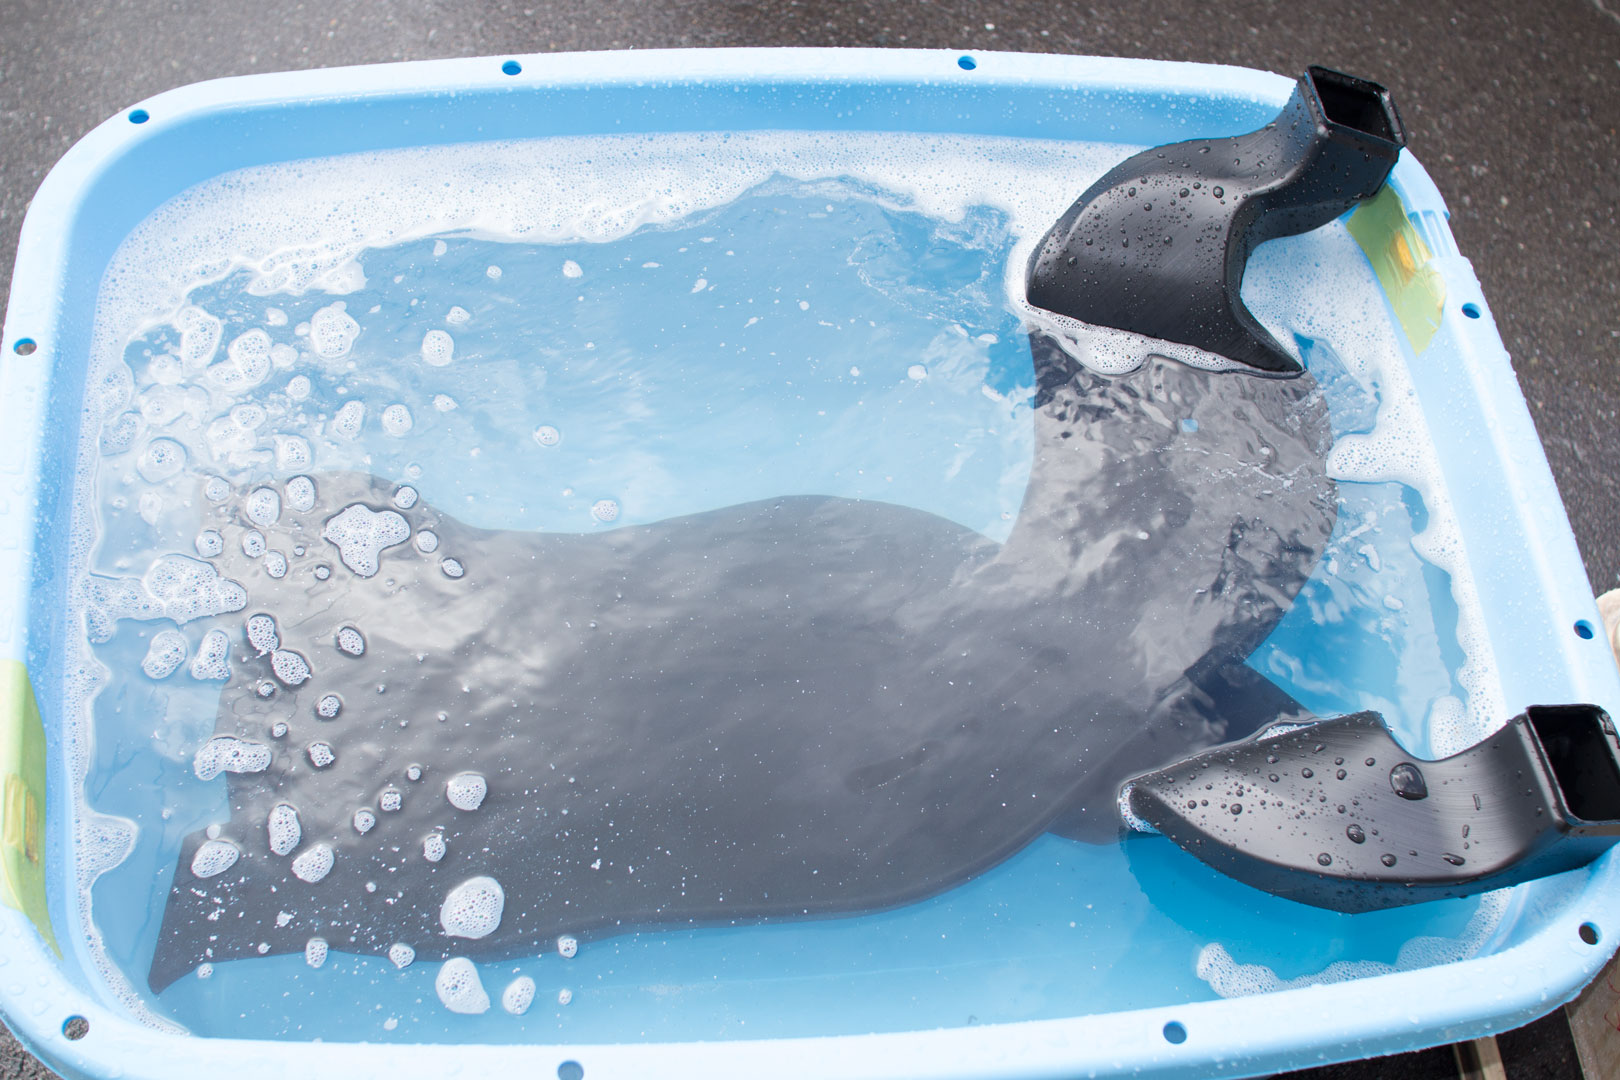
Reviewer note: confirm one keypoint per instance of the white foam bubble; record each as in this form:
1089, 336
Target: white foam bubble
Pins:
459, 988
263, 507
298, 387
564, 996
473, 909
301, 494
262, 634
518, 995
164, 654
351, 641
332, 331
284, 828
315, 950
605, 510
493, 273
404, 496
314, 864
208, 543
320, 754
227, 753
253, 544
246, 364
466, 791
199, 337
288, 666
390, 799
433, 846
567, 946
444, 403
278, 729
396, 420
360, 534
364, 821
546, 435
916, 373
275, 564
438, 348
452, 568
427, 541
186, 589
214, 857
413, 772
401, 955
348, 421
212, 661
205, 971
292, 452
215, 489
457, 315
328, 706
161, 460
571, 269
1229, 978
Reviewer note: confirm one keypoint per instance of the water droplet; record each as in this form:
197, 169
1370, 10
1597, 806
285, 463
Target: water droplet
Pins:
1306, 773
1237, 808
1454, 860
1387, 860
1370, 762
1218, 192
1355, 833
1341, 774
1408, 782
1324, 859
1274, 778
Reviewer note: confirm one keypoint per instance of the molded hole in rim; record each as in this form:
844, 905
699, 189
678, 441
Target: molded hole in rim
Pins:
1175, 1033
1471, 310
1584, 631
75, 1027
139, 116
511, 67
570, 1070
25, 346
1589, 933
966, 63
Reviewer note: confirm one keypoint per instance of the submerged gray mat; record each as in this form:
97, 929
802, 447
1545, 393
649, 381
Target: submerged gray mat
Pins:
789, 708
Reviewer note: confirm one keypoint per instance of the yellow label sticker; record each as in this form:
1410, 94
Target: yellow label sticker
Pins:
1400, 258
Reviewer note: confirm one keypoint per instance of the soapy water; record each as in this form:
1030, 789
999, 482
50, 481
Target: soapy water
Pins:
506, 351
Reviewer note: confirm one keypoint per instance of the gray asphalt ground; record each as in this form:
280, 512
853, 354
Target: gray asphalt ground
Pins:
1513, 107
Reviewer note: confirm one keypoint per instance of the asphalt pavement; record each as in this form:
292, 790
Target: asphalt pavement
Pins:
1513, 107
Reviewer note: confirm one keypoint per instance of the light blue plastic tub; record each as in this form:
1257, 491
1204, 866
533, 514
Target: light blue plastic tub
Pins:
1534, 594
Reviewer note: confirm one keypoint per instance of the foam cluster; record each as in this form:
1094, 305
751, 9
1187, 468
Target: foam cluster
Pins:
360, 534
473, 909
227, 753
459, 988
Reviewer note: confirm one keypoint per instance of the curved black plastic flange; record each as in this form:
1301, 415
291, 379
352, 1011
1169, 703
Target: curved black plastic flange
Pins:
1335, 814
1159, 244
